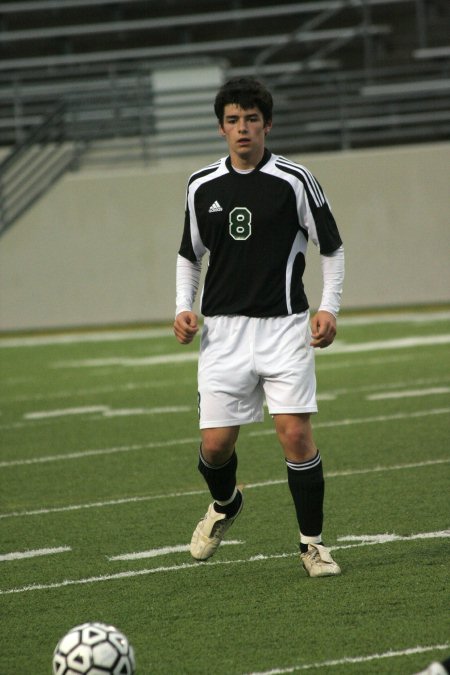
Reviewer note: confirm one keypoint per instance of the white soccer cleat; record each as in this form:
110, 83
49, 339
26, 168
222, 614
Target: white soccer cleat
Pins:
210, 531
318, 562
434, 668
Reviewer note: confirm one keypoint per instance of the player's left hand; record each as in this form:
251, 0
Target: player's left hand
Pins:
323, 329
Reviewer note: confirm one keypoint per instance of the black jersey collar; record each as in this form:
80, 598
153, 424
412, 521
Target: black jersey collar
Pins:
265, 158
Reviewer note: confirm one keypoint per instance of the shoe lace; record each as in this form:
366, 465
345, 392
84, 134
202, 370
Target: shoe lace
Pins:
313, 554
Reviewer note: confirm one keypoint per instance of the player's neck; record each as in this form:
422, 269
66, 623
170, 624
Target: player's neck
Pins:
246, 162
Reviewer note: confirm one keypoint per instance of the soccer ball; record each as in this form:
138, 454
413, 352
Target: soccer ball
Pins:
94, 649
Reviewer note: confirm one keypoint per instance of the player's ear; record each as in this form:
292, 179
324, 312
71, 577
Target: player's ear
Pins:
221, 130
267, 127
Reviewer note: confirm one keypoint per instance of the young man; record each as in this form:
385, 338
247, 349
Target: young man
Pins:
253, 212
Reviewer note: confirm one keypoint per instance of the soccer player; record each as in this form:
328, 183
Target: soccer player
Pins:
253, 213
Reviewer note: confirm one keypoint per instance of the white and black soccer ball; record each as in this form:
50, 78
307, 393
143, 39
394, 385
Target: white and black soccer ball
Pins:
94, 649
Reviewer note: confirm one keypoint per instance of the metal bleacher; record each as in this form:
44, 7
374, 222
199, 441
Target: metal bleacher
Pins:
89, 82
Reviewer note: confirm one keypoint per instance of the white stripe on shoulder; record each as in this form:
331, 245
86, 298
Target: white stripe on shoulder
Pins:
312, 183
210, 167
195, 182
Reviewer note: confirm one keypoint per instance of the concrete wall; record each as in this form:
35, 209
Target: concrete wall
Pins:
100, 248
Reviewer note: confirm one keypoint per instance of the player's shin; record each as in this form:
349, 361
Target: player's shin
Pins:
307, 487
221, 481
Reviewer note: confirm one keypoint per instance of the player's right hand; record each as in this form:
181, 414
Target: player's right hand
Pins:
185, 327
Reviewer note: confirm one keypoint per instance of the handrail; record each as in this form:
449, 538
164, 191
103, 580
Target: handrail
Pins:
314, 111
40, 5
51, 123
180, 50
194, 18
33, 165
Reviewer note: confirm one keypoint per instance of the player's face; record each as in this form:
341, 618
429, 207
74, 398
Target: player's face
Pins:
245, 132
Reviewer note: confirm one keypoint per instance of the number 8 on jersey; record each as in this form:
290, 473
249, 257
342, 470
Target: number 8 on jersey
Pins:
240, 223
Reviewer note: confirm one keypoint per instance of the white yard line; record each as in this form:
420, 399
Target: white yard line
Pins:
96, 452
336, 348
89, 391
166, 550
136, 386
106, 411
364, 362
394, 343
386, 538
101, 504
422, 381
347, 660
383, 418
357, 472
361, 540
94, 336
22, 555
195, 493
99, 412
408, 393
129, 362
377, 539
82, 454
151, 333
162, 410
365, 420
397, 317
83, 410
129, 574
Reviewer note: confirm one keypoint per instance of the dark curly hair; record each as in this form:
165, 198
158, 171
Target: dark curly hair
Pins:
245, 92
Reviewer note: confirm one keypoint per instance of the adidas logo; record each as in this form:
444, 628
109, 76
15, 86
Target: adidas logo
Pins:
215, 207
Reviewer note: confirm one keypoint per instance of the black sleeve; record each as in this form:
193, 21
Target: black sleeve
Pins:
327, 230
186, 248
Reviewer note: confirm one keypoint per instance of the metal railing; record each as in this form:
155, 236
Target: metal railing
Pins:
33, 166
123, 119
54, 139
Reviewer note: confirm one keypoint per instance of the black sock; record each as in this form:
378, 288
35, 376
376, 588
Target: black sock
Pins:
232, 508
304, 547
221, 480
307, 488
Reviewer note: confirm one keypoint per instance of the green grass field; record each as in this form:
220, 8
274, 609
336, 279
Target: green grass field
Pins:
98, 461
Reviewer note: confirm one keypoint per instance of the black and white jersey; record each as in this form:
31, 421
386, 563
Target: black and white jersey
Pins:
255, 227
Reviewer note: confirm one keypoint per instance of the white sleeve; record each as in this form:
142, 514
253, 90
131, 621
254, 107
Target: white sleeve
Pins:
188, 279
333, 279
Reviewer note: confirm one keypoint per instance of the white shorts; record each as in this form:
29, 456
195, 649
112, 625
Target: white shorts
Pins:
243, 360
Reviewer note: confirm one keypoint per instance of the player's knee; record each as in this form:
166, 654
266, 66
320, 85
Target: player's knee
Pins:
217, 448
297, 441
